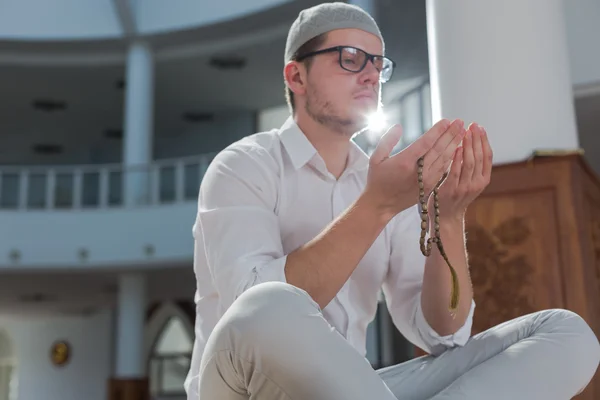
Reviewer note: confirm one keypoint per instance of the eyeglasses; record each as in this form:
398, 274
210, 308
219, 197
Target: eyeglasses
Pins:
355, 60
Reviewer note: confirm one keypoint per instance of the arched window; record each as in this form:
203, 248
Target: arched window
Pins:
170, 352
8, 376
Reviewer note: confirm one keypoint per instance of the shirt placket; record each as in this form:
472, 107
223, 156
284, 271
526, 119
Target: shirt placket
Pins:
337, 207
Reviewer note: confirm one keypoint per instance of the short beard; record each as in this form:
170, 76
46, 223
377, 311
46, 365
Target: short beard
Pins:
323, 113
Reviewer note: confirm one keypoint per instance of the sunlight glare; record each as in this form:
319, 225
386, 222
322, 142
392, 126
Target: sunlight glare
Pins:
377, 121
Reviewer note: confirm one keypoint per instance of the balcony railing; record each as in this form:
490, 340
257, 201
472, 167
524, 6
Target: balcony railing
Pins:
102, 186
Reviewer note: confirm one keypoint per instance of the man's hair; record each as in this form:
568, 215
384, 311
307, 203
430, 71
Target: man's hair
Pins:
311, 45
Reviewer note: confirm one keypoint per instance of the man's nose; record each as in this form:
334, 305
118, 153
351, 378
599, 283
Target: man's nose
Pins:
370, 73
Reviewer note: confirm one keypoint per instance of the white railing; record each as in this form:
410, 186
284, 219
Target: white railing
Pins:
101, 186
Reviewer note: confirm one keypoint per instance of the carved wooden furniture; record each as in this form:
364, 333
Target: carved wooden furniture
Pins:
533, 239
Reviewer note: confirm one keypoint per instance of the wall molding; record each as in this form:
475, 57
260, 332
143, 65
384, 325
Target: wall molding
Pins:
586, 90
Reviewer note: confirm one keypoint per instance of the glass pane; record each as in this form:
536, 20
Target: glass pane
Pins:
6, 348
5, 376
14, 384
63, 193
155, 376
192, 181
426, 105
411, 117
206, 160
115, 188
167, 184
174, 338
174, 372
91, 189
36, 198
10, 190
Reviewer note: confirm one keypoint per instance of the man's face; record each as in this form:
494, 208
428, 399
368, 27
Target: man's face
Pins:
337, 98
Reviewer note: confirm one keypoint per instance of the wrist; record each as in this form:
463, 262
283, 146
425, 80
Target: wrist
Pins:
451, 223
377, 209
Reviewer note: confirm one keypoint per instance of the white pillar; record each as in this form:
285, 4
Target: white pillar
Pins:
367, 5
503, 64
130, 326
139, 118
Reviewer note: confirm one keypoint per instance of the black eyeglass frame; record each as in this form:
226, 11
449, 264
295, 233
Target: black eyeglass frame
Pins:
369, 57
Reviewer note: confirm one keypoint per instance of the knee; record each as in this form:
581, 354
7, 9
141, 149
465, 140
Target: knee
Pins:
575, 333
271, 303
276, 295
259, 314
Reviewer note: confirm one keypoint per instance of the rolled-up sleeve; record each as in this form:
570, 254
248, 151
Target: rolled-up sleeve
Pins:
438, 344
403, 284
236, 224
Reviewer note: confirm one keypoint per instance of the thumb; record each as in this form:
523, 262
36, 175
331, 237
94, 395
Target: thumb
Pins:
386, 144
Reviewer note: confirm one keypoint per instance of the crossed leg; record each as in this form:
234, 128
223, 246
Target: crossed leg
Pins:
550, 354
274, 344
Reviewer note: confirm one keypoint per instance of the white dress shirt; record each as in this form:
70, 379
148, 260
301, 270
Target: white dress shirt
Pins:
268, 194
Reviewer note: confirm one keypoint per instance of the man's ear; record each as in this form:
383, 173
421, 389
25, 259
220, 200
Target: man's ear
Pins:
294, 74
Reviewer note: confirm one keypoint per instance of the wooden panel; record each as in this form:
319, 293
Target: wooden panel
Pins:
569, 177
594, 227
511, 242
128, 389
590, 243
590, 247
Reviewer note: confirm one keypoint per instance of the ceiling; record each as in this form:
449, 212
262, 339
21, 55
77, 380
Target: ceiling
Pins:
86, 75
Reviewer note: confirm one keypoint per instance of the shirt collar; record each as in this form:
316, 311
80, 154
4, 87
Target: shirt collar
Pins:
358, 160
296, 144
301, 150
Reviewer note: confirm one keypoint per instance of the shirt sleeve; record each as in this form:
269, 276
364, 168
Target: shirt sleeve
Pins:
403, 284
237, 221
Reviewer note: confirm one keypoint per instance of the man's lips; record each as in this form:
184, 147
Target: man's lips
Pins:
365, 95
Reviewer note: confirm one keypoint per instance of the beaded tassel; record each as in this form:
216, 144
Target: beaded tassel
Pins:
426, 246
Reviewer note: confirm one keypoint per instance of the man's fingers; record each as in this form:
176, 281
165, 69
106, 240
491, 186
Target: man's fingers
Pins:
468, 159
426, 141
477, 150
439, 158
487, 155
455, 169
445, 146
386, 144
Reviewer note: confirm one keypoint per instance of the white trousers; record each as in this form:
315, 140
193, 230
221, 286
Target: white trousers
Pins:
274, 344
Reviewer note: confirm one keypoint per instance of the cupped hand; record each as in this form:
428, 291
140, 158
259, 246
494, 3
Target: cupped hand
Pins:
392, 183
469, 174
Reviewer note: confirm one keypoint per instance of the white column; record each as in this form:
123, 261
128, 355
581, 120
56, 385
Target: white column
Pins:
139, 117
503, 64
367, 5
130, 326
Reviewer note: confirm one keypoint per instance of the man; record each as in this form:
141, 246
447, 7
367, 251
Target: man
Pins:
297, 230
